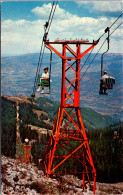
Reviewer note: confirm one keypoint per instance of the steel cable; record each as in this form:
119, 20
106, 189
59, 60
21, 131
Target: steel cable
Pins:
116, 20
111, 25
52, 17
82, 67
38, 68
86, 60
51, 11
92, 60
103, 34
42, 53
116, 28
100, 48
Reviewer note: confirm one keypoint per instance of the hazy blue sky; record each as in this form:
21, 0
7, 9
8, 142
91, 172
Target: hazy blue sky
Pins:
22, 23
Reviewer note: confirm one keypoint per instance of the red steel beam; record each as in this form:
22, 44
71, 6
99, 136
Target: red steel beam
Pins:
67, 157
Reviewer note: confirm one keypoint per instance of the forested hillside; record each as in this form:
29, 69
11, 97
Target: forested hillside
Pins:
106, 149
8, 128
91, 119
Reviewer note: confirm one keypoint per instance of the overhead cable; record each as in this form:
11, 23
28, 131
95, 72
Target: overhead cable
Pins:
52, 17
116, 20
86, 60
111, 25
37, 72
100, 48
47, 26
116, 28
81, 67
92, 60
103, 34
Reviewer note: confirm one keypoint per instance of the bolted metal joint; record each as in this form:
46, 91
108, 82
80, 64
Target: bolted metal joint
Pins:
107, 29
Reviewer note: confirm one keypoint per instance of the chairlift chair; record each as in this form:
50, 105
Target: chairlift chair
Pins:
39, 76
107, 84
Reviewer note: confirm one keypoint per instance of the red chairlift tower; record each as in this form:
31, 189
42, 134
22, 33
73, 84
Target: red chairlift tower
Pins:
64, 134
27, 149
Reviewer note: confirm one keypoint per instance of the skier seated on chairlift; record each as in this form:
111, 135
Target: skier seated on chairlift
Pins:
44, 80
106, 82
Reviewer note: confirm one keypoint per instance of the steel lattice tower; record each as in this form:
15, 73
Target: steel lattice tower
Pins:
68, 131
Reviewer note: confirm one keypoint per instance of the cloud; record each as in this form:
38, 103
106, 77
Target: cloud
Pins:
43, 12
22, 36
102, 6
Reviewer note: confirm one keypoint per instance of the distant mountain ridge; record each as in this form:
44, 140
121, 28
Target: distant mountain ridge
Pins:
18, 73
